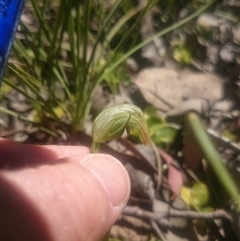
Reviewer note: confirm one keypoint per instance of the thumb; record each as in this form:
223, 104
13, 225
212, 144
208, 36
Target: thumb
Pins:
77, 198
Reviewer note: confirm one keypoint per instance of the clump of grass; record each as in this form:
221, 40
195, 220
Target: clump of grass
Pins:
64, 56
70, 48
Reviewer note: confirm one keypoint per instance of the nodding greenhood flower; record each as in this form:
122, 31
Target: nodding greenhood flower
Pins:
111, 123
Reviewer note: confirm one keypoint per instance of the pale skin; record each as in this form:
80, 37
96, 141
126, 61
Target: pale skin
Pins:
55, 193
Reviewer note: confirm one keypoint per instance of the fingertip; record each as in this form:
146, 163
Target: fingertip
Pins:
111, 174
85, 194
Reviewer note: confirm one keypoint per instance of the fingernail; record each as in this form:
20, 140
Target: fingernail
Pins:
111, 174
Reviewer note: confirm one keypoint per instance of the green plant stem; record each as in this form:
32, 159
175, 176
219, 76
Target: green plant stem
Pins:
213, 156
24, 118
41, 20
95, 147
123, 21
101, 32
14, 114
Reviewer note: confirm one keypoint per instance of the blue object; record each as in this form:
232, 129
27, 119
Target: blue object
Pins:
10, 13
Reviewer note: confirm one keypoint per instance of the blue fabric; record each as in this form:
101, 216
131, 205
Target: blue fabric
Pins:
10, 13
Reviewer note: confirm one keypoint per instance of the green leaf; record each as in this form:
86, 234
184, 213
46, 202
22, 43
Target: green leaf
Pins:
197, 197
200, 196
163, 134
182, 54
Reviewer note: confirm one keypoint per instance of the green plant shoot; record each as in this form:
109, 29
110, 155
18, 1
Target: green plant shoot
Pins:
112, 122
214, 159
